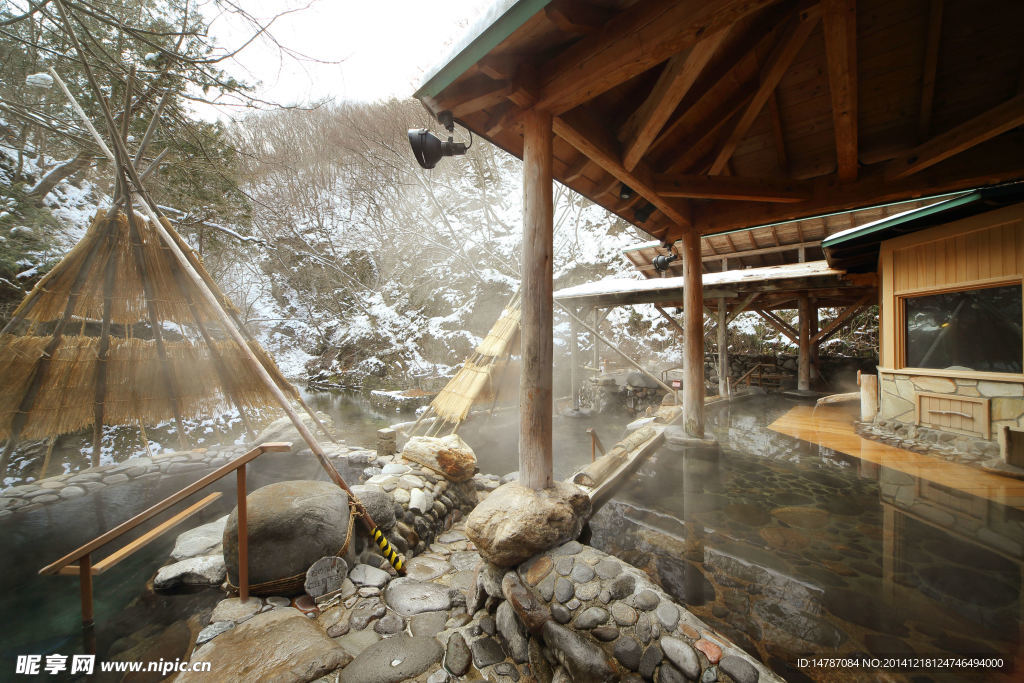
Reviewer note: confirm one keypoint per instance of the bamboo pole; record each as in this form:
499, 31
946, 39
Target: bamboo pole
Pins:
46, 458
149, 207
145, 438
103, 352
535, 391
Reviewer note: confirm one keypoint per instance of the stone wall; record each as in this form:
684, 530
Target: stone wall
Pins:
839, 370
898, 396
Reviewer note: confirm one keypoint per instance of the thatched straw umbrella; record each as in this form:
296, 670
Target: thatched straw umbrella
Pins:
117, 334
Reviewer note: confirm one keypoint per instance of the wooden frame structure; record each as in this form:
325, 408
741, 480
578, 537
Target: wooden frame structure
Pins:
727, 114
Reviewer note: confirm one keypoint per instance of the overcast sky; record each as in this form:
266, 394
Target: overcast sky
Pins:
367, 50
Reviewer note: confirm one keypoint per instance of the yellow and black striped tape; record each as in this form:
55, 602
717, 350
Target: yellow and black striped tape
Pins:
396, 560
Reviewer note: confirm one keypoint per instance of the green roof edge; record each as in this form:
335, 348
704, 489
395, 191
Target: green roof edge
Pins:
478, 47
887, 223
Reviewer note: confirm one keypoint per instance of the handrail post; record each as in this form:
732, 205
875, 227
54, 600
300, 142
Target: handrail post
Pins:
85, 585
243, 537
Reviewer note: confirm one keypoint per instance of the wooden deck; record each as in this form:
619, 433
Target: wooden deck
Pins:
832, 428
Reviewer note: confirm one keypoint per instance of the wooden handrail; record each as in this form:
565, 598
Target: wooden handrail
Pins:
86, 569
145, 515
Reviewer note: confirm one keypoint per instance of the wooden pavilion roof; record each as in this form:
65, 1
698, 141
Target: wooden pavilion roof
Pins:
723, 114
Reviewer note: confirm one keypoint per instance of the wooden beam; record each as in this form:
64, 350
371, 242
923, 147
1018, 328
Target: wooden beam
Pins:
779, 325
845, 315
732, 188
778, 62
632, 42
593, 140
993, 122
741, 306
573, 16
675, 81
535, 393
489, 95
576, 169
778, 134
931, 65
803, 372
693, 347
840, 23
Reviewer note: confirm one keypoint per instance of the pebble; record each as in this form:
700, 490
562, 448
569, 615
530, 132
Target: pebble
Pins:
71, 492
561, 613
628, 651
457, 655
712, 651
487, 651
682, 655
670, 674
233, 609
537, 570
605, 633
608, 569
365, 575
646, 600
710, 675
643, 629
622, 586
401, 496
507, 669
395, 468
563, 565
564, 590
591, 617
573, 604
570, 548
582, 573
668, 615
739, 669
389, 623
650, 660
408, 596
546, 587
623, 614
279, 601
588, 591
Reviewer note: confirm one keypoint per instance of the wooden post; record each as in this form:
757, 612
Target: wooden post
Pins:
535, 466
803, 382
693, 346
243, 537
815, 327
85, 584
723, 349
868, 396
574, 361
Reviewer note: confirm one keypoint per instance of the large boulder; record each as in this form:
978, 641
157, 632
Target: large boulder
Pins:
515, 523
279, 645
449, 455
292, 524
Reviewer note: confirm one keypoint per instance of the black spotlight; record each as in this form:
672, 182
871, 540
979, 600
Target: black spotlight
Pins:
428, 148
644, 212
625, 192
661, 261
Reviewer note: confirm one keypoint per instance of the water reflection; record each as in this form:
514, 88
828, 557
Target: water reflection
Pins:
791, 549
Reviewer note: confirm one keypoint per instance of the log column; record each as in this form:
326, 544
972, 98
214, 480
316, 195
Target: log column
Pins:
803, 381
574, 360
723, 348
693, 329
535, 465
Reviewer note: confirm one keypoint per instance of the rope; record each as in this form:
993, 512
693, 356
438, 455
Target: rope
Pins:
292, 583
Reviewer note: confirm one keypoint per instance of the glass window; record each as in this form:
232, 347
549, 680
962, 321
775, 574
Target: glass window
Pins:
976, 329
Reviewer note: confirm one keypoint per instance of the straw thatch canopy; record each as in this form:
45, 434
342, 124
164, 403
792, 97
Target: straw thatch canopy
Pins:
117, 334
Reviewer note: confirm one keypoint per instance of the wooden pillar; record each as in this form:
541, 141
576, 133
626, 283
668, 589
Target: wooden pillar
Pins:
693, 327
535, 466
803, 382
815, 326
574, 362
243, 535
597, 344
723, 349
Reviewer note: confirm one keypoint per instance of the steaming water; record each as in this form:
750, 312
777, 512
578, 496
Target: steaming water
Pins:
794, 550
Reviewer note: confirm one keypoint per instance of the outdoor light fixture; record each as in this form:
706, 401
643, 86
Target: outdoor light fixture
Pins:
428, 148
661, 261
644, 212
626, 192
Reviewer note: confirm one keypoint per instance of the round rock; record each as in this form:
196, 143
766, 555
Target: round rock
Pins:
409, 596
394, 659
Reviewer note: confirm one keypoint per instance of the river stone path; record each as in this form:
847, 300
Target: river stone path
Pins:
449, 620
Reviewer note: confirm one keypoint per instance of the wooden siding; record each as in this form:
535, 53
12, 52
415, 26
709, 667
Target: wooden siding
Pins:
981, 251
966, 415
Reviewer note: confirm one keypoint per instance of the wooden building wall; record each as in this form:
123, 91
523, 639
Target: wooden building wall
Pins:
981, 251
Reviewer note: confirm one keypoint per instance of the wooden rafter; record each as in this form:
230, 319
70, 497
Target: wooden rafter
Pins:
489, 95
675, 81
632, 42
741, 306
778, 62
931, 65
840, 23
590, 138
731, 188
778, 134
573, 16
576, 169
778, 324
843, 317
986, 126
